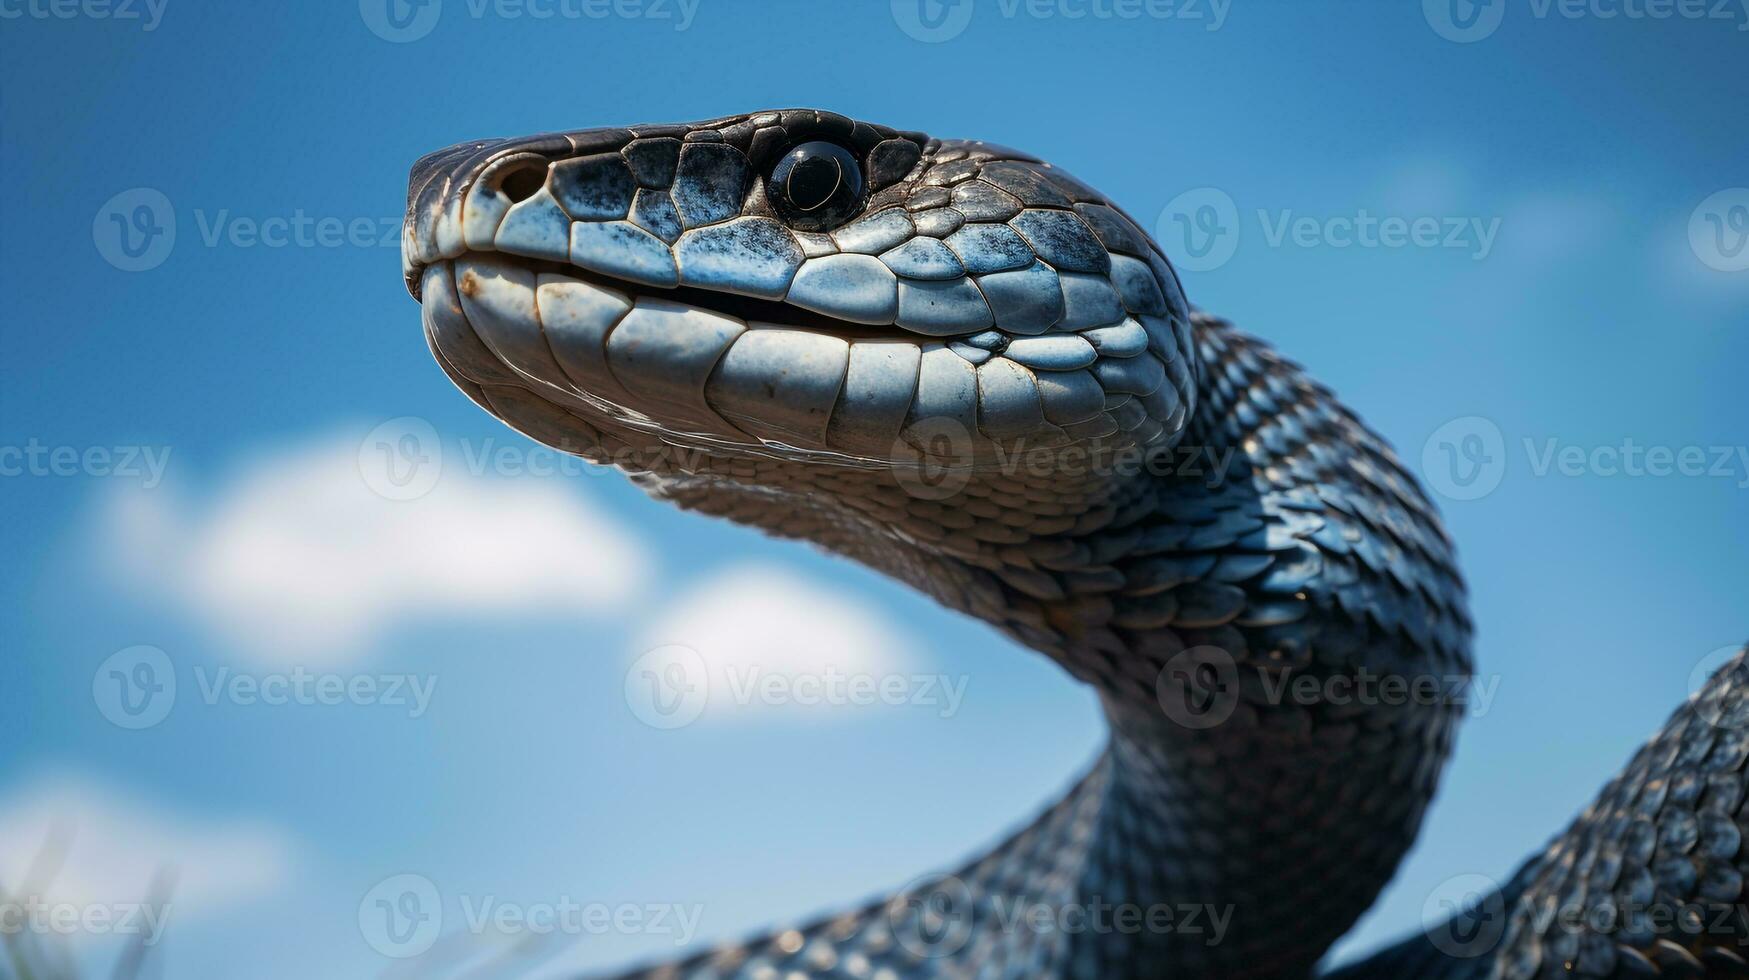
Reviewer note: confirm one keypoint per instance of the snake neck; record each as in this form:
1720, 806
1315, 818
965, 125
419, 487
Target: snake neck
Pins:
1272, 615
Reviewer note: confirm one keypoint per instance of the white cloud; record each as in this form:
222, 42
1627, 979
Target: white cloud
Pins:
305, 555
768, 639
111, 847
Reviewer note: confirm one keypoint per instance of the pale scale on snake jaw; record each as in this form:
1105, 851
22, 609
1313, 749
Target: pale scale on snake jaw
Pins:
967, 369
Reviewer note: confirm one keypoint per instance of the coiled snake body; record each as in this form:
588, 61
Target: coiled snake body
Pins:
967, 369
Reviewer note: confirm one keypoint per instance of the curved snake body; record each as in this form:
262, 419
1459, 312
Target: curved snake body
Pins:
984, 380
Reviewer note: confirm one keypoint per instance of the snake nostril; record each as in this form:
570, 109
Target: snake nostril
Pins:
521, 183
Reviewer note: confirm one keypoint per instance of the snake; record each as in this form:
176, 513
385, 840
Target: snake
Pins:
968, 370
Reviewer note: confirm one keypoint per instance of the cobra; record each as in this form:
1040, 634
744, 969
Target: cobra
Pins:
968, 370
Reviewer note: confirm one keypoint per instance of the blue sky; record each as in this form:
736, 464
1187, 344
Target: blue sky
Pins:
1584, 294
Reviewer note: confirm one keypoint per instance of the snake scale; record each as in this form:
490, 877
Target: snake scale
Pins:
968, 370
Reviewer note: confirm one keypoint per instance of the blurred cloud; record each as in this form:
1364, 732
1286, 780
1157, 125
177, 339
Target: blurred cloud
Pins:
308, 553
768, 639
1554, 227
68, 841
1426, 183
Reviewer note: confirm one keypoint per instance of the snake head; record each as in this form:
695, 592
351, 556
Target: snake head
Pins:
799, 285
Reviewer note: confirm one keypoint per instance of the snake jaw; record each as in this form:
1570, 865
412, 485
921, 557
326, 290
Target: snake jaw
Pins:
976, 302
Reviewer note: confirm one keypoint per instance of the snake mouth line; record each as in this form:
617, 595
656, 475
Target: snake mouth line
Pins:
711, 365
748, 309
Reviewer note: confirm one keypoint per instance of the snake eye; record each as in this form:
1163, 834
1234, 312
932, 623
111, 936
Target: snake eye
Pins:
816, 185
